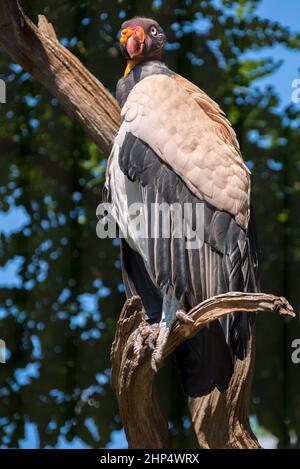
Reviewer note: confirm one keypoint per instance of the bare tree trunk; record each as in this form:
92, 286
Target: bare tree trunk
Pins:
221, 421
132, 379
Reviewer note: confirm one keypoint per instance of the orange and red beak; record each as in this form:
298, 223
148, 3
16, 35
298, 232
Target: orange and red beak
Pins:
134, 40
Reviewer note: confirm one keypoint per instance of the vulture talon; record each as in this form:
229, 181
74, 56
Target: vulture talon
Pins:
182, 316
146, 336
150, 342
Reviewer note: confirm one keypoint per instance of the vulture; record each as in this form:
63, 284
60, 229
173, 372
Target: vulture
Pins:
175, 148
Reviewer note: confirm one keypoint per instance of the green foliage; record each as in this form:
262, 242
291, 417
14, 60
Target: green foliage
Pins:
58, 319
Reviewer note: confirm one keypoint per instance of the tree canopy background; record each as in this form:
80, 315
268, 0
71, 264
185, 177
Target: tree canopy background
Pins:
60, 286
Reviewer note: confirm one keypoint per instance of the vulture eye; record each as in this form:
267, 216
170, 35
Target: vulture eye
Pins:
153, 30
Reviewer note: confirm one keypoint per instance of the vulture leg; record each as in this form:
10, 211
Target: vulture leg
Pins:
171, 310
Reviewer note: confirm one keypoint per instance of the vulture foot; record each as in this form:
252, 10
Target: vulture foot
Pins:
183, 317
146, 335
164, 331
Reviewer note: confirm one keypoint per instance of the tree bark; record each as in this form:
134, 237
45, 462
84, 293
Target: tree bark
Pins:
219, 420
132, 379
222, 420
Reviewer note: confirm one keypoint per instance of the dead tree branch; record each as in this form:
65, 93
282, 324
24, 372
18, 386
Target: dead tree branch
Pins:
80, 94
220, 420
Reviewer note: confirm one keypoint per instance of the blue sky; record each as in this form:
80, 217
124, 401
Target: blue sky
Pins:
287, 12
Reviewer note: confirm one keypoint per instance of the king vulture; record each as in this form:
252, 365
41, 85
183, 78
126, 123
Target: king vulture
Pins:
176, 147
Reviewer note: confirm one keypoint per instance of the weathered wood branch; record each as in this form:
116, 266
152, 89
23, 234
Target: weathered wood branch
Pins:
220, 420
80, 94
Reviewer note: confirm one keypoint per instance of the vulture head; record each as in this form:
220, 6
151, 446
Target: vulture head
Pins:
141, 39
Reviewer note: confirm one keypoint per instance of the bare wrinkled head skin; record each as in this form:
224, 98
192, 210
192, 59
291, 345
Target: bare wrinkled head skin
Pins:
142, 39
